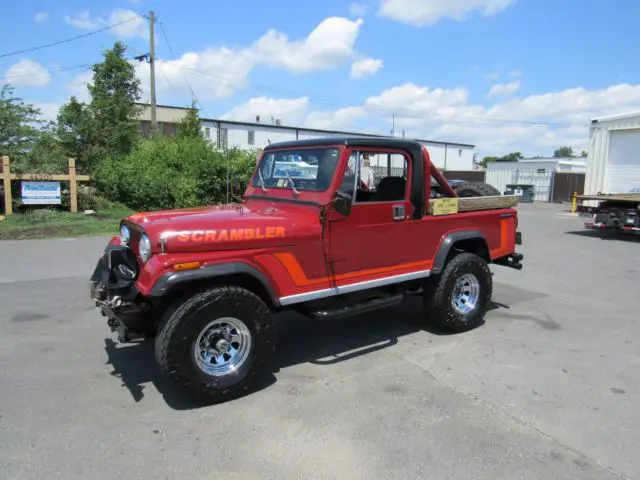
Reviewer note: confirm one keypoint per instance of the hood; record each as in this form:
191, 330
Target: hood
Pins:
220, 227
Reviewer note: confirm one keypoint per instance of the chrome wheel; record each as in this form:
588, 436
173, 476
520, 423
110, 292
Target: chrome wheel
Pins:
222, 347
466, 293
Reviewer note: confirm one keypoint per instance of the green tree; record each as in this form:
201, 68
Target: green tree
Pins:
114, 93
189, 126
74, 131
19, 125
510, 157
563, 152
583, 153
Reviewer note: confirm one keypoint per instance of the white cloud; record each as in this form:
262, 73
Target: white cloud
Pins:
82, 20
535, 124
290, 111
213, 74
134, 25
515, 73
41, 17
78, 86
329, 45
28, 73
420, 13
364, 67
216, 73
493, 75
48, 110
358, 9
503, 89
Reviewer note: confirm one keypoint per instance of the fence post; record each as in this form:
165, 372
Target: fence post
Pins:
73, 191
6, 177
574, 201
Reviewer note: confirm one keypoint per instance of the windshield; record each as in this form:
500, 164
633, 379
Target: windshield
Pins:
310, 169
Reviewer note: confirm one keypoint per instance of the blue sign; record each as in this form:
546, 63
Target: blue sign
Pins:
41, 193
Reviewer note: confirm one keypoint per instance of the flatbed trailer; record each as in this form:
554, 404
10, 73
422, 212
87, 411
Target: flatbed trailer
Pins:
615, 212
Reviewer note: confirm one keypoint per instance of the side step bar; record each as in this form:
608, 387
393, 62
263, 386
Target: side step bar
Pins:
357, 308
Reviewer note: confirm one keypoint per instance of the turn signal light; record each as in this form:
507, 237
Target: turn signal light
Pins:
187, 266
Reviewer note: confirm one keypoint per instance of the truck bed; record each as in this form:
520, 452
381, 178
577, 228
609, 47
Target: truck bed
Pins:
613, 197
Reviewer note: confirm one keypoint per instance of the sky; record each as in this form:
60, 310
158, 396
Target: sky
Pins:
504, 75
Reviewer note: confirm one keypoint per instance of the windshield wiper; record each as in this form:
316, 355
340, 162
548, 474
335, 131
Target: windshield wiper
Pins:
264, 189
293, 184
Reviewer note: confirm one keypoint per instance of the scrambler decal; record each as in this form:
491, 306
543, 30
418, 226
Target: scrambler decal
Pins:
232, 234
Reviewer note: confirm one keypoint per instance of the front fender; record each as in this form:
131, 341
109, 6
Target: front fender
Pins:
171, 280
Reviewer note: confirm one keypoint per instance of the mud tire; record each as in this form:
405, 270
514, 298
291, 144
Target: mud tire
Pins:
439, 291
476, 189
178, 332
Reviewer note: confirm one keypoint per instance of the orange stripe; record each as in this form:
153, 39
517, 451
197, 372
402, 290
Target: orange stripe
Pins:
504, 248
300, 279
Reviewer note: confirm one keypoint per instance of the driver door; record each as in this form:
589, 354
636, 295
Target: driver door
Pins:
376, 236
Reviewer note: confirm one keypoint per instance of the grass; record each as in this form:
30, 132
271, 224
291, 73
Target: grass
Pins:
55, 224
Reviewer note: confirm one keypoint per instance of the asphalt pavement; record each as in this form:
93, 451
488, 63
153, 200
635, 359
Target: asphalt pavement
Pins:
546, 389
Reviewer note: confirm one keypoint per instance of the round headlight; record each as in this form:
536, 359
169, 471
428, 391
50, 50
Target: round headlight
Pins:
125, 234
144, 247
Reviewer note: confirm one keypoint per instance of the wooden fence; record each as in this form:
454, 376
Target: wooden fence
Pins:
565, 185
70, 177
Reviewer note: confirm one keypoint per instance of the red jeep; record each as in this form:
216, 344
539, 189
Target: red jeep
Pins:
314, 233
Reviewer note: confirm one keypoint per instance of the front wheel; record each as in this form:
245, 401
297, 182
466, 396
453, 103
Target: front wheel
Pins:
217, 344
458, 299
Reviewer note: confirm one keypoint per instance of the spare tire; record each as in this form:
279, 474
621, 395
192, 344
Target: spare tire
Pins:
476, 189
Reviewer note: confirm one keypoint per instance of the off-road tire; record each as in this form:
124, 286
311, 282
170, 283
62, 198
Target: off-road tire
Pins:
181, 327
439, 290
476, 189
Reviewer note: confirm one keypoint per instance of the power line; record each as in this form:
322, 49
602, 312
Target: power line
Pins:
398, 112
67, 40
48, 72
193, 93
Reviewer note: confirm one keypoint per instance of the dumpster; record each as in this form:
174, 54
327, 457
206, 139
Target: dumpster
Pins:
525, 193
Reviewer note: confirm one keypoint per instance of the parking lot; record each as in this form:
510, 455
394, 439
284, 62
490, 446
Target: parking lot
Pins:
548, 388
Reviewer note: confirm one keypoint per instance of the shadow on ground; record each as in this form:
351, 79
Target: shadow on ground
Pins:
606, 235
301, 340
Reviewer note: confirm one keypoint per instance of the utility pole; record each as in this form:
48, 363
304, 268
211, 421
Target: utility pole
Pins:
152, 64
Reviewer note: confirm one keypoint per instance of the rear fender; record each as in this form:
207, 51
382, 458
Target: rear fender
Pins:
468, 240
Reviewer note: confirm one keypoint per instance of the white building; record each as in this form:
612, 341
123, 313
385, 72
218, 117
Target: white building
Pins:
247, 135
613, 164
538, 172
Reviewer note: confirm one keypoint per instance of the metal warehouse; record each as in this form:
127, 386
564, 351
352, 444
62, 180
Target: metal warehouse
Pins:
613, 164
538, 172
227, 133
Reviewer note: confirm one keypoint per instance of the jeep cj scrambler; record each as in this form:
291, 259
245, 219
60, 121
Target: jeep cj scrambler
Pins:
310, 235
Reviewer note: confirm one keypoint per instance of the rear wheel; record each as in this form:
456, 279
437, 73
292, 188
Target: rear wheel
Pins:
217, 344
458, 299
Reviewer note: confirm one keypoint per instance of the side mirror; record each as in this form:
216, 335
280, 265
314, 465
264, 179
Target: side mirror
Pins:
342, 203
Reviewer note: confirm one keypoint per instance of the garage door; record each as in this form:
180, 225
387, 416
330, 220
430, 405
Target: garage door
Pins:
623, 167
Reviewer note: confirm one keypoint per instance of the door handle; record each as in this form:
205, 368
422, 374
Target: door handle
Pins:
398, 212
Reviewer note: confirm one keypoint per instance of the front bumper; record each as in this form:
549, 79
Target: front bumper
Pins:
112, 289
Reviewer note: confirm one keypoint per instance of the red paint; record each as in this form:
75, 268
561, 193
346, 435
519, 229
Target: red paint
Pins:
283, 237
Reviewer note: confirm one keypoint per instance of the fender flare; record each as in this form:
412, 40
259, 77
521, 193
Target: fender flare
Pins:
448, 242
171, 279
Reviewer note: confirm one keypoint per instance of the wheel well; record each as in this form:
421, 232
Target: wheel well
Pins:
243, 280
476, 245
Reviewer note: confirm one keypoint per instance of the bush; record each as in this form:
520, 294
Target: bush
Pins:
173, 172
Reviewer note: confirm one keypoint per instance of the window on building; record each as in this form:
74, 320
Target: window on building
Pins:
207, 133
223, 137
252, 137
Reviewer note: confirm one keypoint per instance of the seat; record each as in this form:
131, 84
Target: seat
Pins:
391, 189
